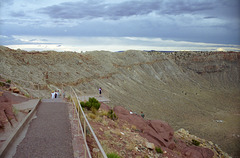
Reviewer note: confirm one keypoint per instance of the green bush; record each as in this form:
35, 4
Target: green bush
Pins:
195, 142
83, 104
9, 81
94, 103
91, 103
111, 115
88, 105
113, 155
158, 150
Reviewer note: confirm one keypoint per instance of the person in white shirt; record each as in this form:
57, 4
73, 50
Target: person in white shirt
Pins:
53, 94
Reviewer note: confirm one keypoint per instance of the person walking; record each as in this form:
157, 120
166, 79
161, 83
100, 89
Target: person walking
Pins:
100, 91
142, 114
53, 95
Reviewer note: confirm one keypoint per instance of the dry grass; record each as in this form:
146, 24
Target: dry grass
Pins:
92, 116
133, 127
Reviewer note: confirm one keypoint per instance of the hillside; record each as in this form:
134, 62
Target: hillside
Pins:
197, 91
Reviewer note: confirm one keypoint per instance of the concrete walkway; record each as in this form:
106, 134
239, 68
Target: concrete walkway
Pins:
49, 135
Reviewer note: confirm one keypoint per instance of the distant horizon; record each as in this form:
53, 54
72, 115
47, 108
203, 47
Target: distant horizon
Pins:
83, 44
119, 51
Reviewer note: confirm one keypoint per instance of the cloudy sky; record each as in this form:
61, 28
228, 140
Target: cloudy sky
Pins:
84, 25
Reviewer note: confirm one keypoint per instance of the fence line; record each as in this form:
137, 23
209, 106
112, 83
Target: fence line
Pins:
89, 126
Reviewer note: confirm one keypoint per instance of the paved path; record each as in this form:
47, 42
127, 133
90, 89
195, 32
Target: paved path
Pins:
49, 135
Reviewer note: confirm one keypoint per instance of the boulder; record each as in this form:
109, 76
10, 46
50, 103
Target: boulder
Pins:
197, 152
150, 145
16, 90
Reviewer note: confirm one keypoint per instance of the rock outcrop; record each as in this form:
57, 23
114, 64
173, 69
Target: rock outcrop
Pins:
156, 131
161, 135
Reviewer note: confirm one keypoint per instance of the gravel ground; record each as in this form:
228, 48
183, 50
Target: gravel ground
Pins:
49, 135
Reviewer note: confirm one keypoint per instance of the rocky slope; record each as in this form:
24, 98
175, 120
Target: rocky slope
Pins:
130, 135
197, 91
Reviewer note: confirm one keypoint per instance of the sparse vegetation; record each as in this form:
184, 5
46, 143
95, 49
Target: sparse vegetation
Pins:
94, 110
103, 113
8, 81
92, 116
158, 150
69, 98
113, 155
112, 115
195, 142
27, 95
2, 84
15, 111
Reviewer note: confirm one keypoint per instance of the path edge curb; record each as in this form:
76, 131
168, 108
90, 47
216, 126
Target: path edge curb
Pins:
5, 147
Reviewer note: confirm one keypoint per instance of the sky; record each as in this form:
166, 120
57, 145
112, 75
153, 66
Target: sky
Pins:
118, 25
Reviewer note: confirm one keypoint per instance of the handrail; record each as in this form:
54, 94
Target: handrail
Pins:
80, 124
85, 120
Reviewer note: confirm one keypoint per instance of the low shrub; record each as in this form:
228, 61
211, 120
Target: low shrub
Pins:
113, 155
8, 81
158, 150
2, 84
112, 115
92, 102
195, 142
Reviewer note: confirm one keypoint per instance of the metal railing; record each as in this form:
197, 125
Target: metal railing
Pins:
86, 124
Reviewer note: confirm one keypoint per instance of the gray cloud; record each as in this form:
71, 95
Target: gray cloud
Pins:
90, 10
6, 2
18, 14
10, 40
